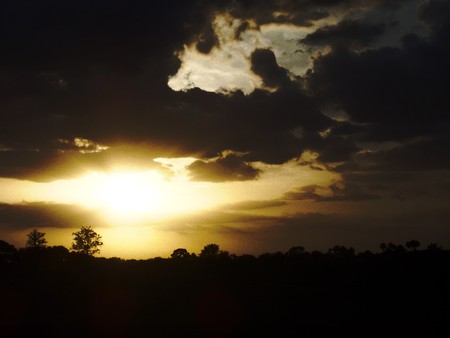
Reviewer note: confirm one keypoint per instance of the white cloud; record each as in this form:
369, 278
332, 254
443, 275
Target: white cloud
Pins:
227, 68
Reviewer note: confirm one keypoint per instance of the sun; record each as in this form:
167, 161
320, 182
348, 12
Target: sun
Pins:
132, 193
148, 195
131, 196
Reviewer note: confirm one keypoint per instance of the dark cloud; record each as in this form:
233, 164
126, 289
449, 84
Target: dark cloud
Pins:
396, 102
254, 205
206, 40
346, 128
241, 29
218, 222
378, 180
404, 172
435, 14
101, 74
386, 184
424, 154
304, 193
265, 65
347, 33
397, 93
25, 216
186, 124
69, 161
230, 167
331, 148
300, 12
351, 192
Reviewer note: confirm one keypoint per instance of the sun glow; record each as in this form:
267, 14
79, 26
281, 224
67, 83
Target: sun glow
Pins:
132, 192
146, 197
151, 198
138, 196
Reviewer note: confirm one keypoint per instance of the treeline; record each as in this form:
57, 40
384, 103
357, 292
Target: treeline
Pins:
37, 246
88, 242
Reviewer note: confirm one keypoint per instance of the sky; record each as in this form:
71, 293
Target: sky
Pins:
256, 125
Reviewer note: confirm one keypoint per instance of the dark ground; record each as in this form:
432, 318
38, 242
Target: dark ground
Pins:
54, 293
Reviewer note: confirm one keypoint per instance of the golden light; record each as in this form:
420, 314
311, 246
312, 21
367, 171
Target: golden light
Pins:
143, 213
147, 196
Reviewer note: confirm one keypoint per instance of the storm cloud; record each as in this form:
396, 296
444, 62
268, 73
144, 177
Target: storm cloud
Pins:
102, 75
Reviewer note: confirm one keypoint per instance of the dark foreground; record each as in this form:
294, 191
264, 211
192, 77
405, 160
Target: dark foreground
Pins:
52, 293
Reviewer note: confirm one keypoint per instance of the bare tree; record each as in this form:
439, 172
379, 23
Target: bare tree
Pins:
86, 241
36, 239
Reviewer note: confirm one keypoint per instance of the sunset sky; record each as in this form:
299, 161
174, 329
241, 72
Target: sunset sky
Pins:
256, 125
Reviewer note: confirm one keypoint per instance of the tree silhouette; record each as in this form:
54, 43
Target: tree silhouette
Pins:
86, 241
391, 248
342, 251
295, 251
395, 248
412, 245
180, 253
6, 248
6, 251
210, 251
36, 239
434, 247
